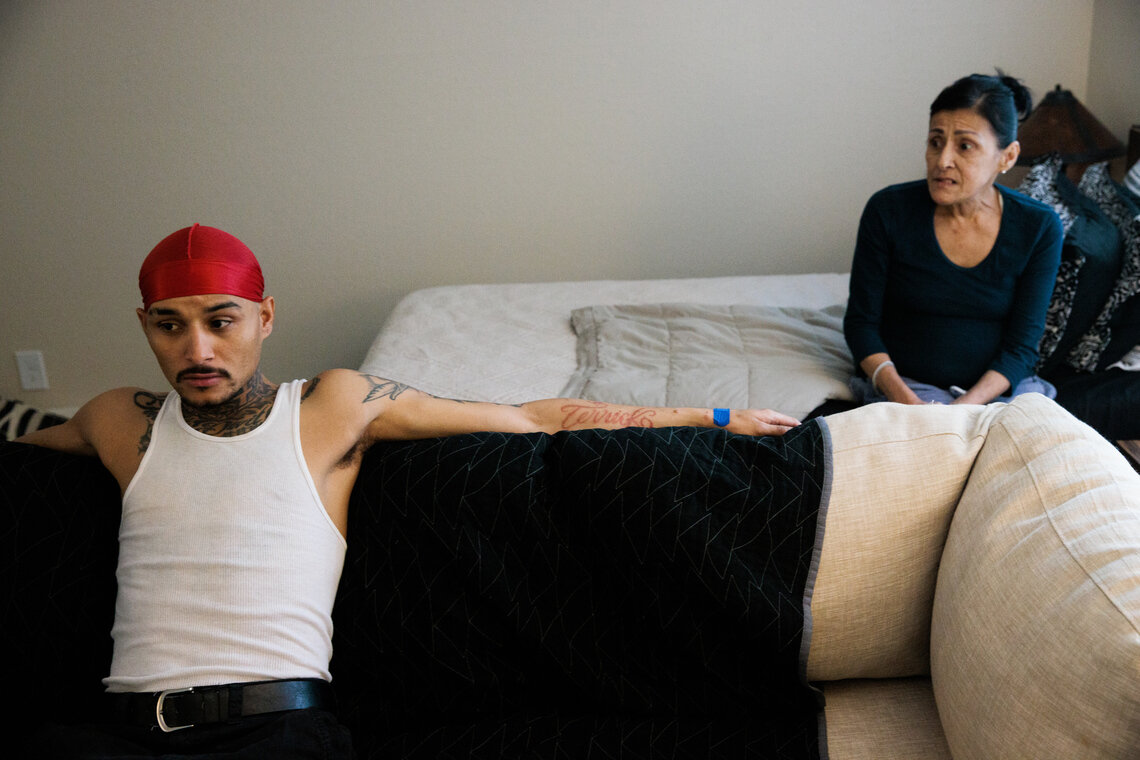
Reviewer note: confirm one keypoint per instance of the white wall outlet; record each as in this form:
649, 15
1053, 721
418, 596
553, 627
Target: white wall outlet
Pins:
33, 373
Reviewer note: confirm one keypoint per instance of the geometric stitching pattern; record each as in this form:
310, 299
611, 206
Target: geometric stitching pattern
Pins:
625, 593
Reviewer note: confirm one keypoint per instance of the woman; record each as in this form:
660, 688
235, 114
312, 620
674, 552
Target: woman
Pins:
952, 275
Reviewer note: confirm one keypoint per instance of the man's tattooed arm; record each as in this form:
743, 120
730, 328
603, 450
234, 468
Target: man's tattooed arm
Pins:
149, 403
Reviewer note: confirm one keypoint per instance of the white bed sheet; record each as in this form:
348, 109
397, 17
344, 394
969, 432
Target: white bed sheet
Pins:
512, 343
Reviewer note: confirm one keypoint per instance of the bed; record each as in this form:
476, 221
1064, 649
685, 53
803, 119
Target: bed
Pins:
740, 341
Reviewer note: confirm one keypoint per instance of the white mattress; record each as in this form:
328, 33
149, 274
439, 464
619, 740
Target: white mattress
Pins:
512, 343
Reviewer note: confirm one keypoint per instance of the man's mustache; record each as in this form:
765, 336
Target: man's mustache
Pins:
202, 370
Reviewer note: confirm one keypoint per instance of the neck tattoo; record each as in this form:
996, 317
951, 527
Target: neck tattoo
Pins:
244, 411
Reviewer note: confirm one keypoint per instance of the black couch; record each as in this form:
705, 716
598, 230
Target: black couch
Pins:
576, 595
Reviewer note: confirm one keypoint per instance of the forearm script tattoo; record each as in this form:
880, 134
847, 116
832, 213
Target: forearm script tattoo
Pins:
596, 413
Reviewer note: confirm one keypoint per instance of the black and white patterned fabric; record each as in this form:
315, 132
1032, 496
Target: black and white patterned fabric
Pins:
1040, 183
17, 418
1099, 186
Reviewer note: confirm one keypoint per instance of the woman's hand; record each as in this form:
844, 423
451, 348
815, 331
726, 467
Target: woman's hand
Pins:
887, 380
991, 385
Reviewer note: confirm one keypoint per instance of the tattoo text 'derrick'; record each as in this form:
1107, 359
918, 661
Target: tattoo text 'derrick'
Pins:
591, 413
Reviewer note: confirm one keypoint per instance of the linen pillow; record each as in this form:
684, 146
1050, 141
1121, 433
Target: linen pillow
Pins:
1090, 261
897, 473
1091, 352
740, 356
1035, 649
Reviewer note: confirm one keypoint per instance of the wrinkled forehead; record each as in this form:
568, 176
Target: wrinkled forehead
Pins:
200, 305
961, 121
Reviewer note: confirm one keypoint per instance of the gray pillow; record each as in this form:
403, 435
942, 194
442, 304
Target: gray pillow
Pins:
789, 359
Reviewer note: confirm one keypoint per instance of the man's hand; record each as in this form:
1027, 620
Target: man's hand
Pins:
760, 422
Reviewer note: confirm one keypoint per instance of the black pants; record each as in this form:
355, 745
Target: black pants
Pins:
302, 734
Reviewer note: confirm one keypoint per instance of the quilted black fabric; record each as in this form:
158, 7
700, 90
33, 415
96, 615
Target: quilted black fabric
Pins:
1108, 401
630, 594
58, 549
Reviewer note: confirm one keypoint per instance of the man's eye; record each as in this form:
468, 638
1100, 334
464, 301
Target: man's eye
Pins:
219, 324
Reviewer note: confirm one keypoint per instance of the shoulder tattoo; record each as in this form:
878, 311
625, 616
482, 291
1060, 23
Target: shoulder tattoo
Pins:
149, 404
312, 387
382, 388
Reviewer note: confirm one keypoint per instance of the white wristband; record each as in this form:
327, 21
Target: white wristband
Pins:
875, 374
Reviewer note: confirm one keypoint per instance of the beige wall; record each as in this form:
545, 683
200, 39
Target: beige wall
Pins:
366, 149
1114, 65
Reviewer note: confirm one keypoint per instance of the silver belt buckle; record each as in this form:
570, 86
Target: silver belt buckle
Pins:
162, 695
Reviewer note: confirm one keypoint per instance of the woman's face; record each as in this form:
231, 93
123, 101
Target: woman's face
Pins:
963, 158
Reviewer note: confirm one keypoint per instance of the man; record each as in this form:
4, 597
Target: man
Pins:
235, 507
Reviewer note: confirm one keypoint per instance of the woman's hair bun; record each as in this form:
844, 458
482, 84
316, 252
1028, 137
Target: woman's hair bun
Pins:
1022, 99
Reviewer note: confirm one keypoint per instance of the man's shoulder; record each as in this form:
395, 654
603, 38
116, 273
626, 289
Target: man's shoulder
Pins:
350, 386
330, 385
351, 398
114, 422
123, 404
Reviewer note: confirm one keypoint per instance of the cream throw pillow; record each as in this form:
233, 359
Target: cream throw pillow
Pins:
896, 477
1035, 645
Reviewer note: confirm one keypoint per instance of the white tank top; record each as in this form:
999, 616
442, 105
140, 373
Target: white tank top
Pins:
228, 561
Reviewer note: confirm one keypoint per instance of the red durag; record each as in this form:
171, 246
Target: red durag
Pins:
199, 261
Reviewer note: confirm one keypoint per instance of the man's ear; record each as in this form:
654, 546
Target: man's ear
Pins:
142, 317
266, 311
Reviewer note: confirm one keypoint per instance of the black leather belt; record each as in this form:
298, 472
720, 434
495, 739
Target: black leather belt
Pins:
176, 709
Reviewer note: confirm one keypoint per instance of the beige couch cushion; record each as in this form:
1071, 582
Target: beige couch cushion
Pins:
883, 719
896, 477
1036, 624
